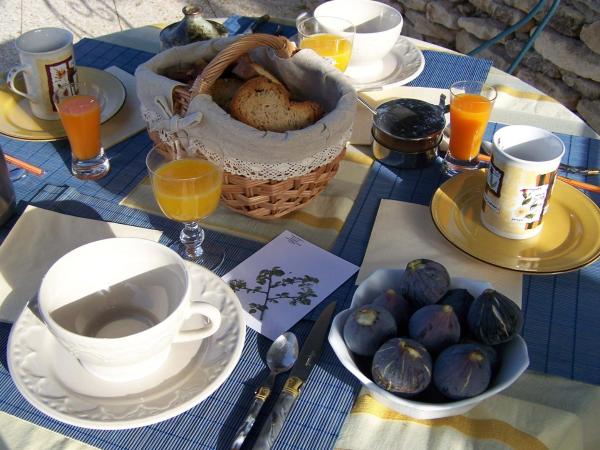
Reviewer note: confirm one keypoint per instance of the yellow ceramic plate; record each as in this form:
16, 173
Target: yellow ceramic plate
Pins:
569, 240
17, 121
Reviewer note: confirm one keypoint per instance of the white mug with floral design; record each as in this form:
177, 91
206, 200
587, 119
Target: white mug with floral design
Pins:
519, 181
47, 63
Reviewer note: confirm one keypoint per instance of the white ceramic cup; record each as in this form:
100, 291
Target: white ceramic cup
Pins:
519, 181
378, 27
47, 63
118, 304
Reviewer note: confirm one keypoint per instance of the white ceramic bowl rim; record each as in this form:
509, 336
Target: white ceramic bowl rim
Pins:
389, 11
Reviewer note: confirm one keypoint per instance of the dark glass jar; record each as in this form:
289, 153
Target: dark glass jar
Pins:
407, 132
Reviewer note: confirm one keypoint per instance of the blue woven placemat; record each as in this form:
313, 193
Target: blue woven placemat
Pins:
212, 423
440, 70
317, 417
239, 24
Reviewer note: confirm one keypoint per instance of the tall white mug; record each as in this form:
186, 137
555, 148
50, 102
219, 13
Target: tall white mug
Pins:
520, 179
47, 64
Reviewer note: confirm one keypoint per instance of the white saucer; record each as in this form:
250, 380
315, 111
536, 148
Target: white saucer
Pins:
404, 63
54, 382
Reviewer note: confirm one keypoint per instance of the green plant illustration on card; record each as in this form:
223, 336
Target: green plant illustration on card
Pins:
285, 280
277, 286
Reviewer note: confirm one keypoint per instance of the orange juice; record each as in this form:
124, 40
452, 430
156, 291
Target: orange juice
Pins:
80, 116
187, 189
469, 115
335, 49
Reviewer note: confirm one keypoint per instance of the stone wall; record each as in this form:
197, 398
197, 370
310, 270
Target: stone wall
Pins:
564, 61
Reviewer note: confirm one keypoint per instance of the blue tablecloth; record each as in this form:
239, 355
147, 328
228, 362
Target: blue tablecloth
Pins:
561, 323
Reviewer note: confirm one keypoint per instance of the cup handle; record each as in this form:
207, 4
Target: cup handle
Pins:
203, 309
10, 80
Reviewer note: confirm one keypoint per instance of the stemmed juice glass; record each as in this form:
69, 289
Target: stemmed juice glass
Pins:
471, 104
330, 37
187, 189
79, 106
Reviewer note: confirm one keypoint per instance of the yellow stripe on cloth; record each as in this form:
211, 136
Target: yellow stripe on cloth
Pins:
537, 411
525, 95
476, 428
319, 222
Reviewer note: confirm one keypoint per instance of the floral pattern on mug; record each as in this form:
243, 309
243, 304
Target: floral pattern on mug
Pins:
531, 207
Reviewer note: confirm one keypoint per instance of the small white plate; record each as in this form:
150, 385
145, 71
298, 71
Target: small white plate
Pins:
514, 356
404, 63
54, 382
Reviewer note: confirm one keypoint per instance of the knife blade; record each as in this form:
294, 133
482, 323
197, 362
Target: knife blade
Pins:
309, 355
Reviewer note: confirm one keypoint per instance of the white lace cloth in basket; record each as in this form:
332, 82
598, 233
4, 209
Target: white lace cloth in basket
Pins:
250, 152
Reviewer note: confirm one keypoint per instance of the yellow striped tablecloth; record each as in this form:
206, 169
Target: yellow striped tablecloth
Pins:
537, 412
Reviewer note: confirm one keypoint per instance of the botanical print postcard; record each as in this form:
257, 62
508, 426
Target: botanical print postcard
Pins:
283, 281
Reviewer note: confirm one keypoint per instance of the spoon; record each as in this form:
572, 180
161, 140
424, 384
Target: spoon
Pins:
281, 356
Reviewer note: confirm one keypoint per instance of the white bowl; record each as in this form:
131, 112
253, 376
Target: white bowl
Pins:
378, 27
514, 353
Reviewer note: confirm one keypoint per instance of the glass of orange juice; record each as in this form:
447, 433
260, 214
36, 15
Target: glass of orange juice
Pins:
187, 189
329, 37
470, 108
79, 106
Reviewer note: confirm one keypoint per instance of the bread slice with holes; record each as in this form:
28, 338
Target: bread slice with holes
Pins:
266, 105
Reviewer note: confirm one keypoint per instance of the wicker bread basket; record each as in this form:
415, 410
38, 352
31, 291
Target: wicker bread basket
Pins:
257, 198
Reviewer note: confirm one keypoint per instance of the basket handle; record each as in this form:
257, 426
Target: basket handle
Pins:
219, 63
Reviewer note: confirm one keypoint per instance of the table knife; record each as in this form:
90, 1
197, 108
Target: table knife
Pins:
309, 355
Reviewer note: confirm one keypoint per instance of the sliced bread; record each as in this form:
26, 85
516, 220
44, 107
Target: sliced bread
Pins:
266, 105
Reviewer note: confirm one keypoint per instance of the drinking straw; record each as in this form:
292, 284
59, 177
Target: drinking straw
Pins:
24, 165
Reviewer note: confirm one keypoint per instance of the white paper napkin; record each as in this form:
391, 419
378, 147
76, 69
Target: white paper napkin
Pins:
37, 240
17, 433
128, 121
405, 231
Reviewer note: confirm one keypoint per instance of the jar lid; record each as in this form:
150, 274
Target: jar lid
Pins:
409, 118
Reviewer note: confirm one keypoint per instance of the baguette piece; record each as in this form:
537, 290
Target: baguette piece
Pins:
266, 105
